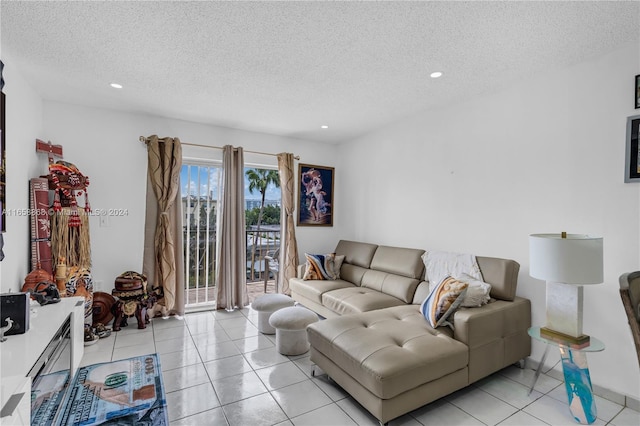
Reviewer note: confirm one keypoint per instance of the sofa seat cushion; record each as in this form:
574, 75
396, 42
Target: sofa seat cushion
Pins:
353, 300
314, 289
388, 351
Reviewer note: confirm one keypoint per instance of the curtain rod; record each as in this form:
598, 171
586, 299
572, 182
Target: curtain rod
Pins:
144, 140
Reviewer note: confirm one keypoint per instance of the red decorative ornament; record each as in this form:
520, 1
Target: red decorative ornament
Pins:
57, 207
74, 219
87, 206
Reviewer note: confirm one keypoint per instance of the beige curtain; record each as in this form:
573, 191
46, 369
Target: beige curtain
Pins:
163, 260
231, 274
288, 245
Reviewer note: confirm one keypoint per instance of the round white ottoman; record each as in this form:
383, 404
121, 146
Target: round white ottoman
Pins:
266, 305
291, 329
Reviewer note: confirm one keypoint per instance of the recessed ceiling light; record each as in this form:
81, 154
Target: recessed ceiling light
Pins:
324, 127
436, 74
116, 85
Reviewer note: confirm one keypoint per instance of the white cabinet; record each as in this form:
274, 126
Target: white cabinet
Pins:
16, 401
22, 356
77, 335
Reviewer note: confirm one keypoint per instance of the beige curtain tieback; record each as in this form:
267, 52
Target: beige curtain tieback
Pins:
164, 213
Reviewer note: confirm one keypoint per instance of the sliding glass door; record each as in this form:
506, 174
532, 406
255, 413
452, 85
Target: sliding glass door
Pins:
199, 185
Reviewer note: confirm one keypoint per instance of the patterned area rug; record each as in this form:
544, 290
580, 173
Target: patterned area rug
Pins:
125, 392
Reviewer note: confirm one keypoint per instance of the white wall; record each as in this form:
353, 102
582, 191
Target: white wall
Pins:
479, 177
24, 125
104, 145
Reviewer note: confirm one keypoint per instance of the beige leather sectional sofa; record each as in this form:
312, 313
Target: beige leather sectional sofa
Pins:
378, 346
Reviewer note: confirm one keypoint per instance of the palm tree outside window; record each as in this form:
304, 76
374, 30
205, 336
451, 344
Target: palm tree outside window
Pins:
259, 181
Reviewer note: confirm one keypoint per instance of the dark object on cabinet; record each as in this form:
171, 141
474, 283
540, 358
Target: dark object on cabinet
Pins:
16, 307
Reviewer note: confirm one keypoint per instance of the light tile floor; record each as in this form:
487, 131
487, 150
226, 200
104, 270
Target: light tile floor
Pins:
219, 370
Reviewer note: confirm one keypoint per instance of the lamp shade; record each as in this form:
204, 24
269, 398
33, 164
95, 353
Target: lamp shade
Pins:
576, 259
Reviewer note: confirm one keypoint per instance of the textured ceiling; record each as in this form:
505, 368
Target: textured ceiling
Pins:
287, 68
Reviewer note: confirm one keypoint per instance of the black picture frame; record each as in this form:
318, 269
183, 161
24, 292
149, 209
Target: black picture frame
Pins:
637, 91
315, 195
632, 152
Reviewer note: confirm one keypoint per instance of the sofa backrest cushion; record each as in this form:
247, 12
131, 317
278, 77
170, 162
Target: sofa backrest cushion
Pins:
502, 274
395, 271
352, 273
356, 253
397, 286
399, 261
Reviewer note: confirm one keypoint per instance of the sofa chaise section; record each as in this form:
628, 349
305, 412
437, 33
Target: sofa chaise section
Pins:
391, 361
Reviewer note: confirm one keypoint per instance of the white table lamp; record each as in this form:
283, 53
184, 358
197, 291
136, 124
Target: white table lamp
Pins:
566, 262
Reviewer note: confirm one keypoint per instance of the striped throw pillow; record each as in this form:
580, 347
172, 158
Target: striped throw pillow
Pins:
443, 301
322, 266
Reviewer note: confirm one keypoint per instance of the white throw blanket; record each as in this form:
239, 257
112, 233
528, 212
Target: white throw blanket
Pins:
440, 264
461, 266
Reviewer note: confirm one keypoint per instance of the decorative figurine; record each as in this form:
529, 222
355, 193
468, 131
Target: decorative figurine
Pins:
133, 300
34, 277
138, 307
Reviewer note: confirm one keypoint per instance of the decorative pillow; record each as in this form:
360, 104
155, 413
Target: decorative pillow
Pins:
443, 301
477, 292
323, 266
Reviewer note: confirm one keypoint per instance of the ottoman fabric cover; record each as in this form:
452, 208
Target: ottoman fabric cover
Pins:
389, 351
271, 302
293, 318
291, 329
266, 305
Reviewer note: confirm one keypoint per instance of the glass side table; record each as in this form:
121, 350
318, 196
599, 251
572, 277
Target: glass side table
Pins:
576, 373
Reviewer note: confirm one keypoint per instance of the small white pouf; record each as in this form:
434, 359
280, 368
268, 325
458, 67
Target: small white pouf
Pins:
291, 329
266, 305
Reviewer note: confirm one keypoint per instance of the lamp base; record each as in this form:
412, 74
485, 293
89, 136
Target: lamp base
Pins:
548, 333
564, 309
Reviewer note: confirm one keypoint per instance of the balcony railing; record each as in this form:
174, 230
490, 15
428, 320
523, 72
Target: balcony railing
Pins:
200, 249
266, 242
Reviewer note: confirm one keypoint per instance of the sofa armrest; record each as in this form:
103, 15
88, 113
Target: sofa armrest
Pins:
496, 335
300, 270
496, 320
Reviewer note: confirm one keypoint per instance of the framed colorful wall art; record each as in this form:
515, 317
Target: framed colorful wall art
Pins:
315, 195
